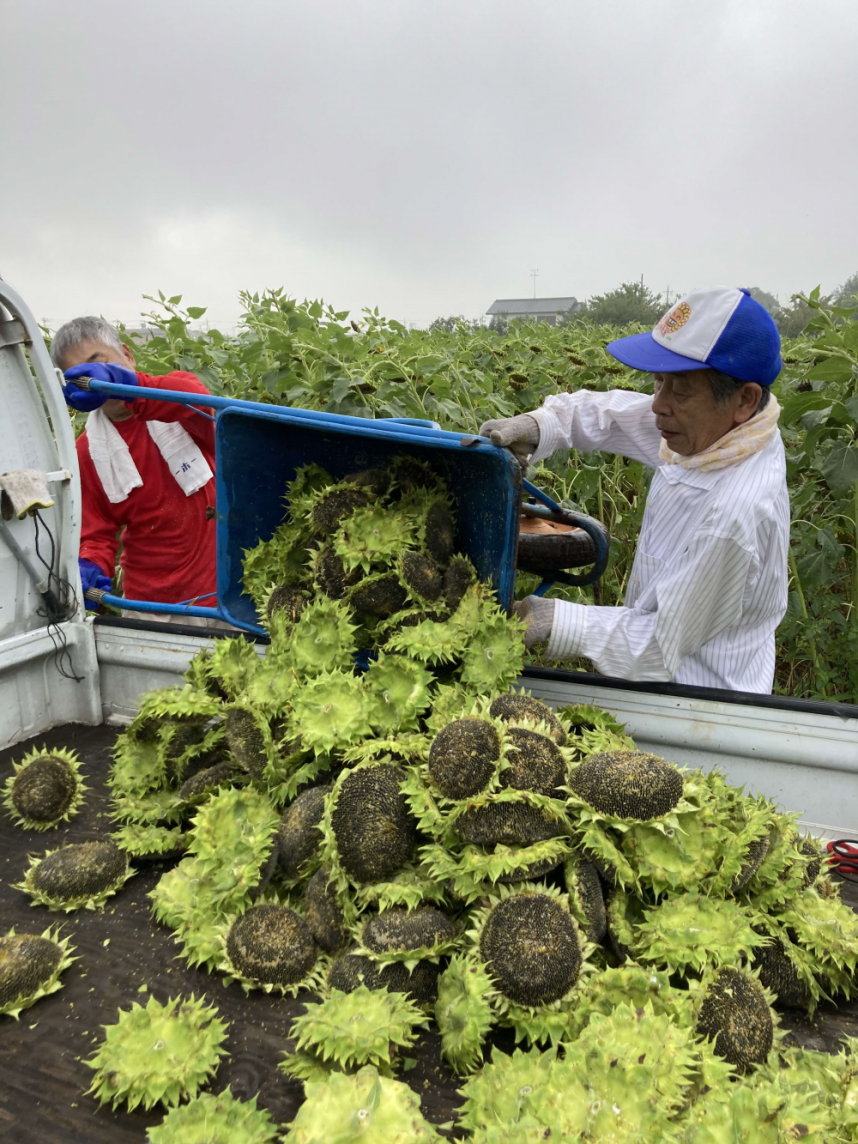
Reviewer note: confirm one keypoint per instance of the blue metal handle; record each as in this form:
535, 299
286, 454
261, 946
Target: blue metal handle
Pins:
542, 497
173, 610
178, 397
594, 530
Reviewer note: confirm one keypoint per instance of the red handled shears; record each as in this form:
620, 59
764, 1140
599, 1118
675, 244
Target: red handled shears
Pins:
844, 858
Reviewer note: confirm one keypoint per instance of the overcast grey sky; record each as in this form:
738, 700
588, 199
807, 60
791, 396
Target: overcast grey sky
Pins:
423, 156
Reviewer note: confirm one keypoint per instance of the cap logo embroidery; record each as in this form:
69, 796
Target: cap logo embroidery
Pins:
675, 320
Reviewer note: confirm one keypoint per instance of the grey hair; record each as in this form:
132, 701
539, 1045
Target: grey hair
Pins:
82, 330
724, 386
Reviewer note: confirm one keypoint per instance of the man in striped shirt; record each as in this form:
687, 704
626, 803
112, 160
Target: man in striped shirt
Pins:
708, 586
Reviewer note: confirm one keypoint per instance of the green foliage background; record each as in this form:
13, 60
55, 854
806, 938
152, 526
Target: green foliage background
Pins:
306, 354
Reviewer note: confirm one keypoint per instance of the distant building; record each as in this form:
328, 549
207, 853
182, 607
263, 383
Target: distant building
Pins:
536, 309
141, 333
145, 332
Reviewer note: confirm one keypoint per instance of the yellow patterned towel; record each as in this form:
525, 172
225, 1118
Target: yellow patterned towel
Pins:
735, 446
26, 490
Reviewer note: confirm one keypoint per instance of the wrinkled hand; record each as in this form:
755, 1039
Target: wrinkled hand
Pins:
85, 401
92, 576
538, 614
518, 434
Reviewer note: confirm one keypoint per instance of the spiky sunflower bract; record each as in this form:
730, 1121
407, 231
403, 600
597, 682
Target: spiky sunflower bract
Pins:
464, 1013
369, 833
661, 830
620, 1081
77, 877
139, 765
231, 849
535, 956
346, 1031
366, 1107
592, 729
30, 968
398, 934
332, 711
189, 1037
766, 1113
494, 654
412, 886
798, 978
398, 693
630, 984
157, 808
279, 560
146, 841
269, 947
825, 926
784, 870
323, 639
210, 1119
373, 537
848, 1112
690, 932
44, 789
234, 833
231, 666
818, 933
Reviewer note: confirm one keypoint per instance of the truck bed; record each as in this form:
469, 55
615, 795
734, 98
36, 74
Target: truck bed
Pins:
124, 956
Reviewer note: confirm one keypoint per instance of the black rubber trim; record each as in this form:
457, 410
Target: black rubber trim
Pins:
180, 629
685, 691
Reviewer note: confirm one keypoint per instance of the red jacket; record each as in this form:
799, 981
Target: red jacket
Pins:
168, 545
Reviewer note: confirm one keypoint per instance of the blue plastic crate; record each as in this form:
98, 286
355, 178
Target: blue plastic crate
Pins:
260, 447
259, 451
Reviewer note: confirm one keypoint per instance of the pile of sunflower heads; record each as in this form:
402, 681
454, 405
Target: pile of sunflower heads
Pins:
506, 866
416, 843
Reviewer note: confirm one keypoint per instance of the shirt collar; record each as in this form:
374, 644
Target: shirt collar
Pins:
675, 475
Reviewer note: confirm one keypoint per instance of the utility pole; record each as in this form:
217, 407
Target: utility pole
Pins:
534, 274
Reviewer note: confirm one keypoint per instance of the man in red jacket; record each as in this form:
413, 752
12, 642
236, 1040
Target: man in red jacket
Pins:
147, 472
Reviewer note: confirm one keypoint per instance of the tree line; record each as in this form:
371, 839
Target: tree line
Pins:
634, 302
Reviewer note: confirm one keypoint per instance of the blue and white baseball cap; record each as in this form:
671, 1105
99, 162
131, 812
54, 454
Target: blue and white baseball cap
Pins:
723, 328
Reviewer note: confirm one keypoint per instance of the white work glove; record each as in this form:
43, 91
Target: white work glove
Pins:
518, 434
538, 614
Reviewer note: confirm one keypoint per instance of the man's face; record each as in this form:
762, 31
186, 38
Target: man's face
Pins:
90, 350
688, 416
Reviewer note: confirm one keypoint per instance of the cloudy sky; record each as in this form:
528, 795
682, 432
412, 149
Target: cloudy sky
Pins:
423, 155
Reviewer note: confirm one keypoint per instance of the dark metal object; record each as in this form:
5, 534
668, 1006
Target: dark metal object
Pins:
54, 609
549, 556
845, 858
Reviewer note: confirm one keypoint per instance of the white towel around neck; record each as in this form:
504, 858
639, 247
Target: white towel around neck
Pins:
115, 466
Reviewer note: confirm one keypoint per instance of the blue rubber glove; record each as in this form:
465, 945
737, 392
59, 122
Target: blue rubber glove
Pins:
82, 399
91, 576
85, 401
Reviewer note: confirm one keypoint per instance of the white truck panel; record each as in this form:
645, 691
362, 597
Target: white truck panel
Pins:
35, 433
806, 762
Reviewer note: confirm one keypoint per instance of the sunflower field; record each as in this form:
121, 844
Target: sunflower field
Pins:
308, 355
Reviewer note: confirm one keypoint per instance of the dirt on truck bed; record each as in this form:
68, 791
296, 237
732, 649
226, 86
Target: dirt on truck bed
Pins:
124, 956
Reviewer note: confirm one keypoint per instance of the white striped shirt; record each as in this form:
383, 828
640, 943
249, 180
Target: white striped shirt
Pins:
708, 586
